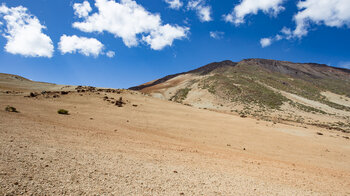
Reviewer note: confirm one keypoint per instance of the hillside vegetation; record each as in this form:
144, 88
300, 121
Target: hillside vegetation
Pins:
262, 88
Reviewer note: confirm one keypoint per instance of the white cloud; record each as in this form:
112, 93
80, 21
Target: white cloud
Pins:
285, 33
82, 45
24, 33
174, 4
110, 54
216, 34
164, 36
203, 11
332, 13
128, 20
82, 9
246, 7
264, 42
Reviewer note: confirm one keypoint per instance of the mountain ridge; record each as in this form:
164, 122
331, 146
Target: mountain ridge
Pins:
215, 65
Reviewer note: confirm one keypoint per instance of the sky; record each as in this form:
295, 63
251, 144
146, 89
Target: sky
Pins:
123, 43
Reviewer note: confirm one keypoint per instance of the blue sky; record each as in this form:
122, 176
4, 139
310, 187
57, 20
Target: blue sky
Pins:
168, 39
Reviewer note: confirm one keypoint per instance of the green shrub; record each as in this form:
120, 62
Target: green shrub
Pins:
180, 95
10, 109
63, 111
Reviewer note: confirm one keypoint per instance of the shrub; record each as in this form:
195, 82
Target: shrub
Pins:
10, 109
63, 111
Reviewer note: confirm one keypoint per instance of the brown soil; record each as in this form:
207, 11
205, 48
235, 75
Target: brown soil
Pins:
158, 148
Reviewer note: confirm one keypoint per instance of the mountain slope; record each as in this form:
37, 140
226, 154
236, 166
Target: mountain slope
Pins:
268, 89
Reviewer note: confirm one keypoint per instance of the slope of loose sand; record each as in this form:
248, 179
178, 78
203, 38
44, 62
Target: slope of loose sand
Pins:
159, 148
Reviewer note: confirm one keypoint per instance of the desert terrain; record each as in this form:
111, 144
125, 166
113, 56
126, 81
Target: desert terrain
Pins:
151, 146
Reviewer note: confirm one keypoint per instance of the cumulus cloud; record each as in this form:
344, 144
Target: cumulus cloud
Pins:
285, 33
174, 4
246, 7
82, 9
332, 13
163, 36
203, 11
216, 34
24, 34
264, 42
82, 45
129, 21
110, 54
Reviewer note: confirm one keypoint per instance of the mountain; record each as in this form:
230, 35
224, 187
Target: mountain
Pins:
306, 93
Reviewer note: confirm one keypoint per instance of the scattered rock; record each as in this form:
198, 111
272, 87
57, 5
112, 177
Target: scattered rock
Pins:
32, 94
243, 116
318, 133
134, 105
228, 144
346, 137
244, 149
175, 172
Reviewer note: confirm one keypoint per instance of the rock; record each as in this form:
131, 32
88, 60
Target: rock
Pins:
318, 133
33, 94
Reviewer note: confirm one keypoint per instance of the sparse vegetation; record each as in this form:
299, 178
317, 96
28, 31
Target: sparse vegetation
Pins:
239, 88
306, 108
180, 95
11, 109
63, 112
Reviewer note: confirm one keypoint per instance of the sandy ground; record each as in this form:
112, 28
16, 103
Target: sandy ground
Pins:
160, 148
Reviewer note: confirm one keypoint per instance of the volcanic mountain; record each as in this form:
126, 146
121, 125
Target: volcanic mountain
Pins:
273, 90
